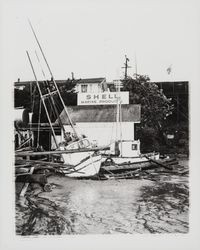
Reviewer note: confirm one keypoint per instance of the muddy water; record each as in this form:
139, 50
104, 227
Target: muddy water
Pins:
157, 205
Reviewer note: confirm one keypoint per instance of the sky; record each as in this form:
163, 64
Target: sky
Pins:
91, 38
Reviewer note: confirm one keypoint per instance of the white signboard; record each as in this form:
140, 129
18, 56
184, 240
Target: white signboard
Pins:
104, 98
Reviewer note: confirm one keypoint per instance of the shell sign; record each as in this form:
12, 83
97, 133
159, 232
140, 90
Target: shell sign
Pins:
104, 98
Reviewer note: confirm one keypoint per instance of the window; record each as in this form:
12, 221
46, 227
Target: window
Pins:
74, 145
84, 143
134, 146
84, 88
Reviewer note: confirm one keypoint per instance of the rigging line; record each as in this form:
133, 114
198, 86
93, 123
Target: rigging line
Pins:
42, 71
50, 99
52, 111
59, 108
116, 120
75, 132
58, 105
112, 128
54, 136
31, 108
33, 99
59, 116
55, 112
45, 82
53, 106
120, 120
40, 65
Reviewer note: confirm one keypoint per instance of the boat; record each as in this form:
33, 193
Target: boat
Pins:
85, 163
125, 154
76, 153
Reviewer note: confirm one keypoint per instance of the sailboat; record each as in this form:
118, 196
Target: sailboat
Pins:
125, 154
77, 154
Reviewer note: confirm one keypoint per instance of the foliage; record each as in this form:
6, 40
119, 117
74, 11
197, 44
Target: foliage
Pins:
68, 92
155, 107
149, 138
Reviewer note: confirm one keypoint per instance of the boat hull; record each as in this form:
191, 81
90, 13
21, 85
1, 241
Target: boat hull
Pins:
119, 164
88, 166
136, 159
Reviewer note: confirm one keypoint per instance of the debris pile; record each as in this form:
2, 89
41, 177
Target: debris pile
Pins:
41, 216
146, 170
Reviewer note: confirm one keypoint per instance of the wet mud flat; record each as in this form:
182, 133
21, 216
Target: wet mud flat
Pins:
154, 203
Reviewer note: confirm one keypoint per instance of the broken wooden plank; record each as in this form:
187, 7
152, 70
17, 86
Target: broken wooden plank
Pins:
25, 187
70, 151
158, 163
23, 166
49, 163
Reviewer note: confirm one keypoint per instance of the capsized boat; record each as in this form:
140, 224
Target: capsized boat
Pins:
82, 162
85, 164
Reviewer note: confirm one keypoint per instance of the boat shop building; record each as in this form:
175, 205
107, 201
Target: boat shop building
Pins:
95, 113
98, 122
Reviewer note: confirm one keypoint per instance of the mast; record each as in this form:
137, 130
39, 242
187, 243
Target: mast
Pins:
126, 67
135, 67
51, 97
42, 98
119, 116
55, 84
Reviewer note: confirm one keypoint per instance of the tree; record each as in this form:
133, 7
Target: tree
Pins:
155, 107
68, 92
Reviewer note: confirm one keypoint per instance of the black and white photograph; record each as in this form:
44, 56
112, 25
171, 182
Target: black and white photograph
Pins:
99, 112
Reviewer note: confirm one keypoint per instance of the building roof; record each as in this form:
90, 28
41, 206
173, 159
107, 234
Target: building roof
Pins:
25, 83
78, 81
91, 80
101, 113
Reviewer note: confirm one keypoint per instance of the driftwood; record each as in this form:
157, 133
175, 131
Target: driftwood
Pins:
159, 163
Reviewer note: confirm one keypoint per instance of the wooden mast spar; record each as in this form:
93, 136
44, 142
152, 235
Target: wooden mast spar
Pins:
55, 84
42, 98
